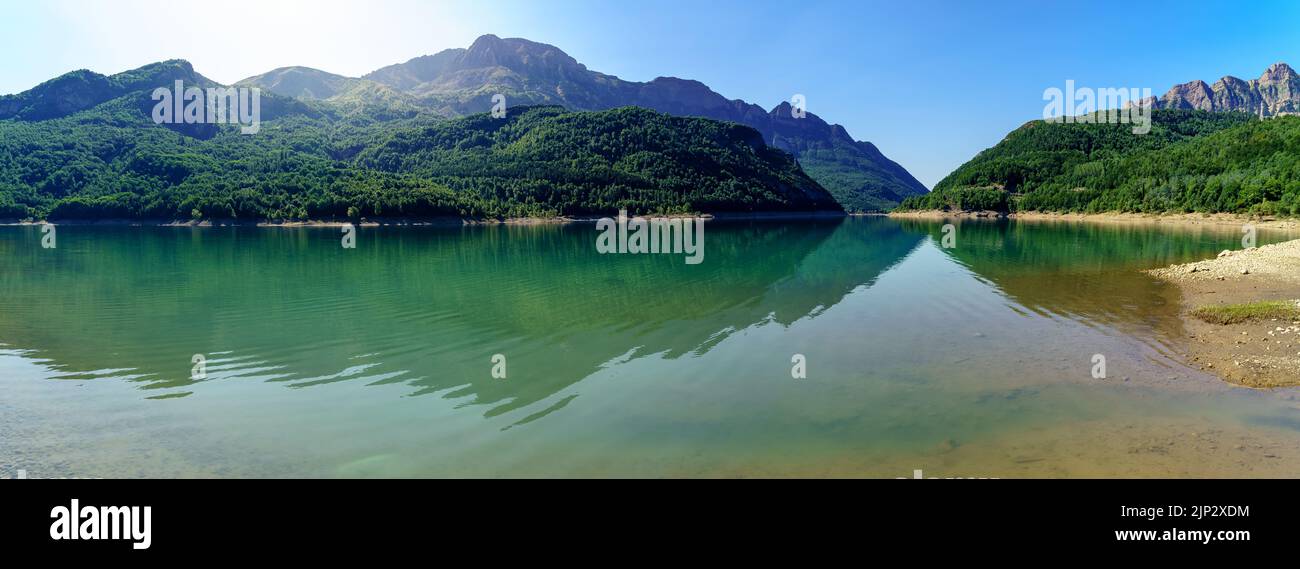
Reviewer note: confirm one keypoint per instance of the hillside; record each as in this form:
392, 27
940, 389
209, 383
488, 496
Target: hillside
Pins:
100, 156
457, 82
81, 90
1192, 161
302, 82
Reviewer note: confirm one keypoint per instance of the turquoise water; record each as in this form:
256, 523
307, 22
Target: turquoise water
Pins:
377, 361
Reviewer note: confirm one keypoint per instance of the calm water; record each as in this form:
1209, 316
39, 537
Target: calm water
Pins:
376, 361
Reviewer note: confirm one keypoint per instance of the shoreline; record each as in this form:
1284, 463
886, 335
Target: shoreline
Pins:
1258, 353
1223, 219
447, 221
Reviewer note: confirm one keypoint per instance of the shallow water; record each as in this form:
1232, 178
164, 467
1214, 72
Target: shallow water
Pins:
377, 361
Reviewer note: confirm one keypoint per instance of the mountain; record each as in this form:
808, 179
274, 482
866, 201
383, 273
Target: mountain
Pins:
301, 82
1207, 152
1191, 161
85, 146
463, 81
82, 89
342, 97
1276, 92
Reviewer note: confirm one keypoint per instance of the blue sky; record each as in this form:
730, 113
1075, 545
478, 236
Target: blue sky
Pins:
931, 83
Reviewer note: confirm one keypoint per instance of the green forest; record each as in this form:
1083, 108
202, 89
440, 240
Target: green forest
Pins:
104, 158
111, 161
1190, 162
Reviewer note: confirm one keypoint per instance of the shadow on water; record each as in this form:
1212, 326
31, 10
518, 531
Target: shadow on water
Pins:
426, 308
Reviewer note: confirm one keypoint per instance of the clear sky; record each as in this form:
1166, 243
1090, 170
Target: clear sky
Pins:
931, 83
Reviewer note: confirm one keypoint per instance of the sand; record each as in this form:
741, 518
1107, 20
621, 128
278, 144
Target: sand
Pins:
1263, 353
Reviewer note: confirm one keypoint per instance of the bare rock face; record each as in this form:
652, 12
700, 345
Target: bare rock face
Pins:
1276, 92
1195, 95
1279, 87
1233, 93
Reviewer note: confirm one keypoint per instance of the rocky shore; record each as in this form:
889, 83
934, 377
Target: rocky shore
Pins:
1181, 219
1256, 347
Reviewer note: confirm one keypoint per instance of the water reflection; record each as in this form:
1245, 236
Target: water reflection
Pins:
1087, 272
422, 307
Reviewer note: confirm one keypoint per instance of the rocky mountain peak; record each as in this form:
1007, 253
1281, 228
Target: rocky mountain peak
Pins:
1230, 82
486, 41
1191, 95
516, 54
1276, 92
1277, 72
782, 110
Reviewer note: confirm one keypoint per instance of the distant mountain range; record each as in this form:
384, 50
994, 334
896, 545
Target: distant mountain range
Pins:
80, 90
83, 90
87, 146
1276, 92
457, 82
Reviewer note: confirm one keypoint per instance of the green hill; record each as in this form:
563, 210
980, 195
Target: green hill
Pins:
103, 157
1191, 161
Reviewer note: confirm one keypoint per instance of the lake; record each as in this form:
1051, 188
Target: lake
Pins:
379, 360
